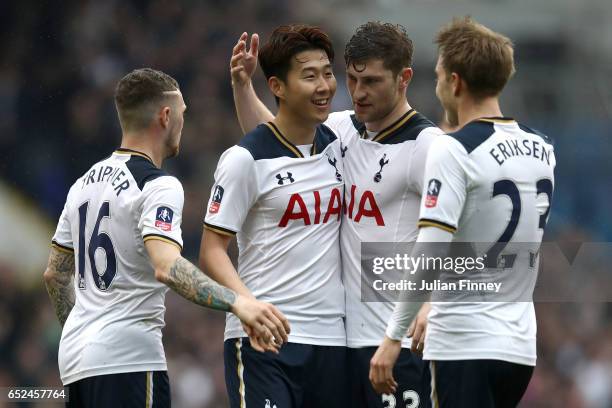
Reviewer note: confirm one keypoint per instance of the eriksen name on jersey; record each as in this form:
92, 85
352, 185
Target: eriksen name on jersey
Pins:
512, 148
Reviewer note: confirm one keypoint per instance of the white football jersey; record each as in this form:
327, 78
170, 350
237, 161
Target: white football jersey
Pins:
490, 183
383, 183
285, 209
115, 324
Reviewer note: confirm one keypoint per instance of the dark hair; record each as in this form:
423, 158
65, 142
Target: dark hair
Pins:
384, 41
288, 40
137, 93
483, 58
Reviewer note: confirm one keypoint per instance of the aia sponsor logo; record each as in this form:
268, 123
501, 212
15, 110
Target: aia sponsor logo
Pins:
298, 210
362, 205
433, 190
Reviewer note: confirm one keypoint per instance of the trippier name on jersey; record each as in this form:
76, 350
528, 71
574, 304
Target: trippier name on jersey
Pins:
108, 174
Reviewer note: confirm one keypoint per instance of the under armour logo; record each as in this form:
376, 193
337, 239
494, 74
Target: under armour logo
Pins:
281, 179
382, 162
333, 162
269, 405
343, 149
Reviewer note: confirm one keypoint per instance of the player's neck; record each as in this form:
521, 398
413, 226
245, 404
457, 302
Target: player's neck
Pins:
141, 144
471, 109
294, 129
398, 111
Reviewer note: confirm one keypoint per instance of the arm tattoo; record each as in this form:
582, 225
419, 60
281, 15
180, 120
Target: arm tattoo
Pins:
60, 287
191, 283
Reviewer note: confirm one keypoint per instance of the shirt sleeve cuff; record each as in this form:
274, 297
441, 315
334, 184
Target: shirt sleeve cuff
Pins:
395, 331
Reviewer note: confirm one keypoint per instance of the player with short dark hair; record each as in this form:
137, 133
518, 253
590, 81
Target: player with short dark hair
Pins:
119, 237
491, 182
138, 96
275, 57
382, 41
384, 145
280, 192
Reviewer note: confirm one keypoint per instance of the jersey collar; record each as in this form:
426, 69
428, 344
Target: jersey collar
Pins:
287, 143
123, 150
496, 119
392, 128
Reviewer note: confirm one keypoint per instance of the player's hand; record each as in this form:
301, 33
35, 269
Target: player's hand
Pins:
381, 366
417, 329
244, 62
268, 324
258, 344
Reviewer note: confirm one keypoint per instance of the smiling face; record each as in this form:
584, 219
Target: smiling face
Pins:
375, 90
309, 88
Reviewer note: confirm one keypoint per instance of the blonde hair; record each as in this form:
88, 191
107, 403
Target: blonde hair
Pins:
483, 58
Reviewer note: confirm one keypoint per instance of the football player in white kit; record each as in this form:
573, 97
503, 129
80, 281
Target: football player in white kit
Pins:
384, 146
279, 190
117, 249
490, 181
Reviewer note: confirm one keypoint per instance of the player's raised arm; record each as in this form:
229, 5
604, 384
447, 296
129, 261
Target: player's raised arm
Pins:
249, 108
191, 283
58, 280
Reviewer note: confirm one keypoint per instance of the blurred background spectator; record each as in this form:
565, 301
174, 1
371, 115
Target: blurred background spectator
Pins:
58, 69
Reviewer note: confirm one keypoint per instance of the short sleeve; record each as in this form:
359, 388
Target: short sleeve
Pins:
162, 211
341, 124
445, 185
416, 170
234, 192
62, 239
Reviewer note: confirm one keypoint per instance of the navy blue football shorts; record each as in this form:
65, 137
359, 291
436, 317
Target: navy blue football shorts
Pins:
149, 389
478, 383
300, 376
410, 372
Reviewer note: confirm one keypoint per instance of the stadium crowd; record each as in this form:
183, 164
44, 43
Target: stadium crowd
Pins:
57, 76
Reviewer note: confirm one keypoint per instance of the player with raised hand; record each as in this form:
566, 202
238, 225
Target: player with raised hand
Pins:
244, 61
492, 182
384, 145
117, 249
279, 191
